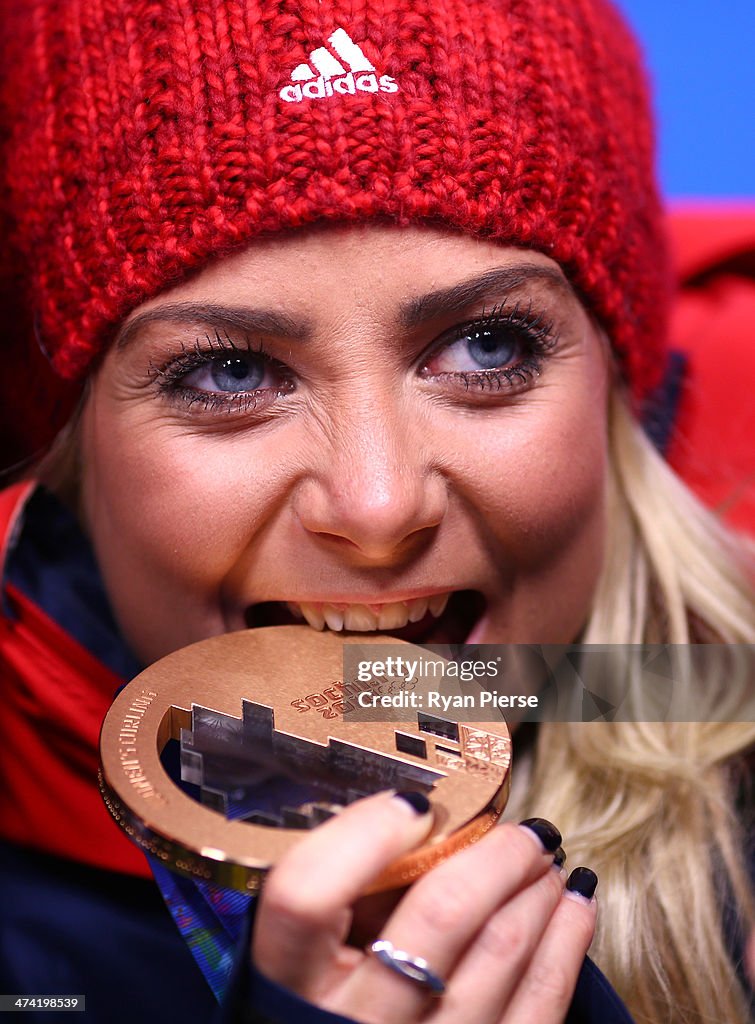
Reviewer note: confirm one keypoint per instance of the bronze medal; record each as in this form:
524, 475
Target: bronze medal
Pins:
259, 716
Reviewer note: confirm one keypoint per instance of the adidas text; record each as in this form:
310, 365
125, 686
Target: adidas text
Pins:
321, 88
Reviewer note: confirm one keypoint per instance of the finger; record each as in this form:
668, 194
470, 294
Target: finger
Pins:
371, 913
443, 911
304, 912
491, 969
547, 988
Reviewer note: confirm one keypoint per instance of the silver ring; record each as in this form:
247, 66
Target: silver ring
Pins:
415, 968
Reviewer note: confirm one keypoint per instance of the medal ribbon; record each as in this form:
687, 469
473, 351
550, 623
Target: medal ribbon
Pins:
210, 919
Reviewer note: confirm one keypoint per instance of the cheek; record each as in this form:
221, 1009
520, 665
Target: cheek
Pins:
544, 506
197, 499
170, 514
553, 485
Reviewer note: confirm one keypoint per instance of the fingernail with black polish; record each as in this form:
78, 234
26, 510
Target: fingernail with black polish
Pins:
547, 833
583, 882
559, 858
416, 800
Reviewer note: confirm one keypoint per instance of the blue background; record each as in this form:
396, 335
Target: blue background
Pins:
701, 57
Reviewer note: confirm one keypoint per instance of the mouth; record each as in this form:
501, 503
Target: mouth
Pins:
448, 618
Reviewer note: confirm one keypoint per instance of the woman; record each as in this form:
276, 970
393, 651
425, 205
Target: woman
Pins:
366, 303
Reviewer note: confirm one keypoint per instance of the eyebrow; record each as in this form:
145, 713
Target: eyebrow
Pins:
460, 296
243, 318
441, 302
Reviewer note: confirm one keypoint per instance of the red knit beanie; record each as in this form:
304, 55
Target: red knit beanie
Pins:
145, 138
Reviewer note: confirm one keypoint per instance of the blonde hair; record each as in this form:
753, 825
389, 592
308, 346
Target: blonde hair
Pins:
650, 806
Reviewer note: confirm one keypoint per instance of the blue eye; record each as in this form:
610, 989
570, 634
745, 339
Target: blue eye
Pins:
234, 374
479, 348
221, 375
500, 350
491, 348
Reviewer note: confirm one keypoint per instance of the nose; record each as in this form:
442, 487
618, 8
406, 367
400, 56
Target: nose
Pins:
376, 490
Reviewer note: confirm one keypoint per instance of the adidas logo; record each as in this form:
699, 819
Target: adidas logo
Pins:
345, 70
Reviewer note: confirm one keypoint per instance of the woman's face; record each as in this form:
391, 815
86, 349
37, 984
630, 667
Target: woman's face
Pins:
374, 428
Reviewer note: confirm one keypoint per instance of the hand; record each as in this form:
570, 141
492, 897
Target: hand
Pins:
492, 921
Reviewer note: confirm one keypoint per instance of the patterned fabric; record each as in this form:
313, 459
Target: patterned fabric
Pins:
147, 138
210, 919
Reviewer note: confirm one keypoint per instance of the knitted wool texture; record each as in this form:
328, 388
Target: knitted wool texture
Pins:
145, 138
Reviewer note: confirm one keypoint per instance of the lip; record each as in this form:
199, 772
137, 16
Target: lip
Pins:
352, 597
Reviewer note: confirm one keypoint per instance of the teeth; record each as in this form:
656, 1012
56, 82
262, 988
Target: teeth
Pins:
418, 609
393, 616
313, 614
361, 618
333, 617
